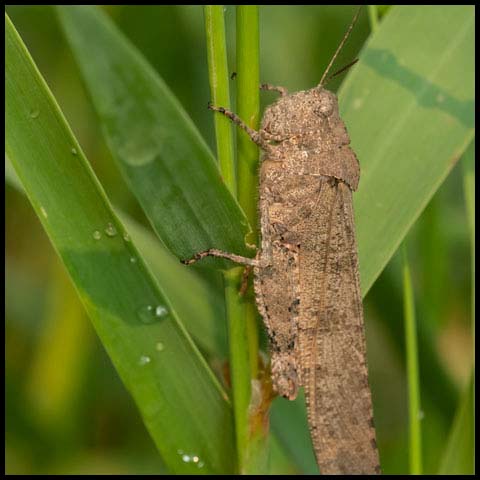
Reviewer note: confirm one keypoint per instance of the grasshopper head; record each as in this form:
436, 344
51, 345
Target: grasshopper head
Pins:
301, 112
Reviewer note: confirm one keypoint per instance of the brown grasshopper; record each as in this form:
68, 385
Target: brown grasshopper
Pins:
306, 276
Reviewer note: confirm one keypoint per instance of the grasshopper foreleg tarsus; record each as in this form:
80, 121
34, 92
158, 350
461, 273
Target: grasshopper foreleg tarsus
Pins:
281, 90
213, 252
253, 134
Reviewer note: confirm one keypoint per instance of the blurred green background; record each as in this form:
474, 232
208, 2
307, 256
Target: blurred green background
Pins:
66, 409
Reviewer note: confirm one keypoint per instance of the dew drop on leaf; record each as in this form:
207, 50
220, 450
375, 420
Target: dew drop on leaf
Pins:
161, 311
144, 360
110, 230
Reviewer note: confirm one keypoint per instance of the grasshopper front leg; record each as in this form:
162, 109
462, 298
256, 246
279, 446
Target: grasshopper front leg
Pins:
253, 134
261, 137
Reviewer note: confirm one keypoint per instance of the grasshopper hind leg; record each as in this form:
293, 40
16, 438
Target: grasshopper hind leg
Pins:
213, 252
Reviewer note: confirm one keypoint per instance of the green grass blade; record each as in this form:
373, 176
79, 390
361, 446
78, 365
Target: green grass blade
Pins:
248, 109
11, 177
236, 307
204, 313
239, 365
280, 463
163, 158
219, 88
459, 455
409, 108
414, 412
289, 423
183, 412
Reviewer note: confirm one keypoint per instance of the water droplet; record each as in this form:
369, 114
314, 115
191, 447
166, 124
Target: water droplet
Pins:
74, 151
421, 415
191, 458
34, 113
97, 235
126, 237
133, 260
160, 347
161, 311
146, 314
44, 212
110, 230
144, 360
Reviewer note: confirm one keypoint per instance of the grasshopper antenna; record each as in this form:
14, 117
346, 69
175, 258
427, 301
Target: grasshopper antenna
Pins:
338, 72
342, 43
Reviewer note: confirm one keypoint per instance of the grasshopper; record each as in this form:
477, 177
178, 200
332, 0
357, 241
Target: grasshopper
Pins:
306, 278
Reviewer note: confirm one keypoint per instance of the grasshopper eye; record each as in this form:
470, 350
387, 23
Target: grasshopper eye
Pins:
325, 109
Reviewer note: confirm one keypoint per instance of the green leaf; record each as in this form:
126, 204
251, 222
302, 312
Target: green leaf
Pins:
409, 108
163, 158
219, 91
414, 414
183, 406
204, 313
289, 424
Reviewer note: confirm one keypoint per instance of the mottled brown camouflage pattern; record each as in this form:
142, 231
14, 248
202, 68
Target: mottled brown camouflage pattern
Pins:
307, 281
306, 274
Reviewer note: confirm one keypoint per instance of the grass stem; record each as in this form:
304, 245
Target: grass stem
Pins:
415, 414
220, 92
